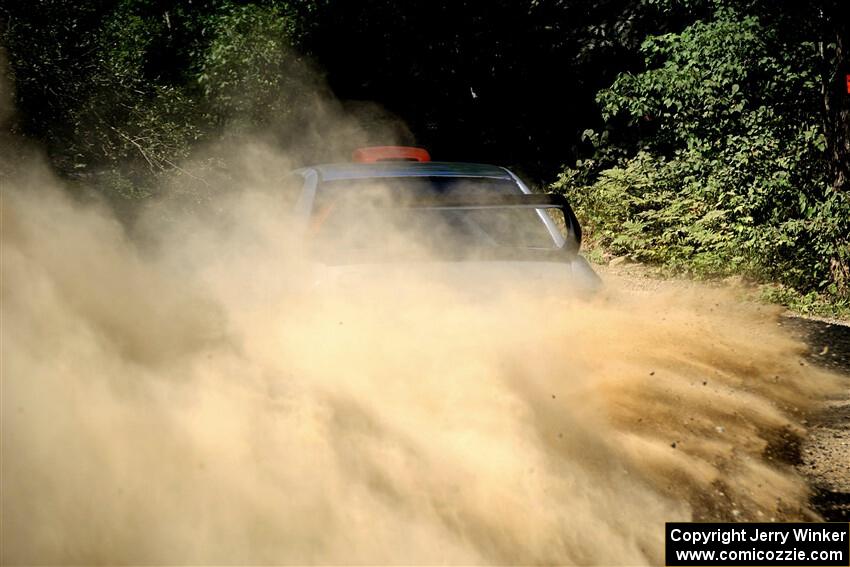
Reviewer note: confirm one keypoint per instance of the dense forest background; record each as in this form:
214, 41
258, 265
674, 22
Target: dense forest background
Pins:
711, 137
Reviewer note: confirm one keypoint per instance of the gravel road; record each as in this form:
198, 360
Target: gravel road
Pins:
826, 454
825, 458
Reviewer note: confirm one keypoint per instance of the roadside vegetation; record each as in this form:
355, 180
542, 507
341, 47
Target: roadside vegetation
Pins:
708, 137
715, 159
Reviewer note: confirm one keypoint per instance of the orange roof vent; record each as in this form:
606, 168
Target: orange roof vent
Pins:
390, 153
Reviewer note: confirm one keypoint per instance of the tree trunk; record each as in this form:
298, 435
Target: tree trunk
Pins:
836, 95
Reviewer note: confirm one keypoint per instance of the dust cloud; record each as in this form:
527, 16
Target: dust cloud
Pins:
205, 394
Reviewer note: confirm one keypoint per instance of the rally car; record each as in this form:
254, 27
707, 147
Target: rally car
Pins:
393, 206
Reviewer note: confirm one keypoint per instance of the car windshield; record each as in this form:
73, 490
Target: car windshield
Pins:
376, 216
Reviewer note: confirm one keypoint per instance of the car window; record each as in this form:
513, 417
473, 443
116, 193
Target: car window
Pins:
370, 214
399, 188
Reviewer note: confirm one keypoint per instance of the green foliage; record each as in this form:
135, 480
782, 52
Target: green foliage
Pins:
93, 77
709, 155
250, 70
811, 303
126, 124
719, 167
122, 91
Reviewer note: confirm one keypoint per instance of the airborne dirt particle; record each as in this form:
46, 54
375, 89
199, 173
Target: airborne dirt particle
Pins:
204, 404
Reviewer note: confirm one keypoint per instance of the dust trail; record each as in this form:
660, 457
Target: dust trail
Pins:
211, 403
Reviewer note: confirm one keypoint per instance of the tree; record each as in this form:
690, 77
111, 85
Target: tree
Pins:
835, 48
714, 158
122, 91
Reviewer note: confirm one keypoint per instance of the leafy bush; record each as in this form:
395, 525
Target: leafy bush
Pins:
713, 161
250, 71
128, 127
122, 91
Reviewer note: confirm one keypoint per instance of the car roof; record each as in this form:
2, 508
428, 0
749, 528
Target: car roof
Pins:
338, 171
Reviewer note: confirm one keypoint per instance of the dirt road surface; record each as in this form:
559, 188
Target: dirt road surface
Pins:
825, 455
